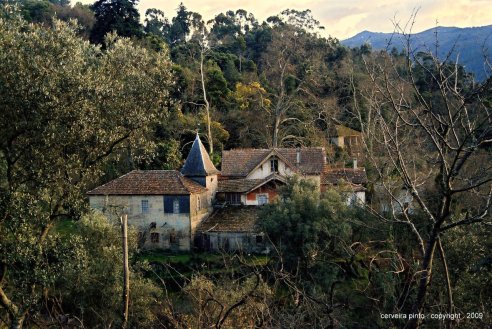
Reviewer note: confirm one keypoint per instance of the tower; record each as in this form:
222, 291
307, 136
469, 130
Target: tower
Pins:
199, 167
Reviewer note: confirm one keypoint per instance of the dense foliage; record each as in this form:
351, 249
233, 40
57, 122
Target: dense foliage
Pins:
84, 101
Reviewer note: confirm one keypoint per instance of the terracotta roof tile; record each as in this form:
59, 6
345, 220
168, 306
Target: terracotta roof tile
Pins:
231, 219
149, 182
313, 159
238, 185
240, 162
356, 176
246, 185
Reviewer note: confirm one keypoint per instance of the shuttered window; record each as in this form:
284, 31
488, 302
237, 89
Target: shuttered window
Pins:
177, 204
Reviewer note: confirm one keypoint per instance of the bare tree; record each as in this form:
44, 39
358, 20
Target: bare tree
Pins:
294, 65
203, 50
426, 129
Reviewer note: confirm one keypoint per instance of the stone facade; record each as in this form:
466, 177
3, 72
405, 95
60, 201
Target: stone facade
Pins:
172, 209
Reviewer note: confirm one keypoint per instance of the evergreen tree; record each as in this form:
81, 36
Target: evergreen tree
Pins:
120, 16
180, 26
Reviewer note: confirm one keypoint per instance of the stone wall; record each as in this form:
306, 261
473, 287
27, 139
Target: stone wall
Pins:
156, 228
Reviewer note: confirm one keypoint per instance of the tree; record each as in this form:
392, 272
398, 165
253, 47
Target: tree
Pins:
295, 75
180, 27
325, 261
306, 227
87, 289
120, 16
156, 23
66, 109
427, 129
82, 13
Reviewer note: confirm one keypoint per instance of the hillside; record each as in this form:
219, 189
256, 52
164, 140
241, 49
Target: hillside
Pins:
470, 44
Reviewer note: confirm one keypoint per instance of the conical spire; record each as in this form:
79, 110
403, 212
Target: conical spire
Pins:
198, 162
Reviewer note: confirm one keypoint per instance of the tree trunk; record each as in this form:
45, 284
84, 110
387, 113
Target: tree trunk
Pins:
207, 107
425, 277
276, 128
126, 279
17, 322
15, 314
449, 289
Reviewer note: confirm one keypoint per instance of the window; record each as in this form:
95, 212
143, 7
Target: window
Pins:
259, 239
145, 206
198, 203
154, 237
262, 199
152, 225
274, 165
176, 206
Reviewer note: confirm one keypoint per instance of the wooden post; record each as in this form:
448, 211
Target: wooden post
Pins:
126, 279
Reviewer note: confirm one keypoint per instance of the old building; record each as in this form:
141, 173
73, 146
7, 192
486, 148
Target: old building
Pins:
165, 205
251, 176
347, 139
353, 179
231, 228
216, 210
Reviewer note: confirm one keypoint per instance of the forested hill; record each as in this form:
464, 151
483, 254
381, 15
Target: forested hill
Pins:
82, 103
466, 45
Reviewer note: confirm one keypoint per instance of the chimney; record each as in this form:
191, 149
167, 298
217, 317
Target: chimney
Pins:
298, 156
355, 163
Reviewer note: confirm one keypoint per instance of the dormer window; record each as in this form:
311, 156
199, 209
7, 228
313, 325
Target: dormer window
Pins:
274, 165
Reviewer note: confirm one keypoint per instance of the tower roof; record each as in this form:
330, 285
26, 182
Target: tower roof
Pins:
198, 162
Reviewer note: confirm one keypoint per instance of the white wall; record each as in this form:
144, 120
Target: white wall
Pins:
357, 197
113, 205
264, 170
211, 184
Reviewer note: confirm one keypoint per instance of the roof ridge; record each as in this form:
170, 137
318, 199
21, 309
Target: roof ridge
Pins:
149, 182
180, 177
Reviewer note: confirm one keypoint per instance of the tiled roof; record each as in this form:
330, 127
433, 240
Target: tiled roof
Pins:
238, 185
240, 162
245, 185
334, 175
231, 219
149, 182
198, 162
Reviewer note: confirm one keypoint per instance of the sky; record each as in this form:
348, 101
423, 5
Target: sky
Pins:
345, 18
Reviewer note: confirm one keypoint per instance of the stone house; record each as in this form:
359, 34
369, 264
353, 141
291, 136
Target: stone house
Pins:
213, 210
166, 206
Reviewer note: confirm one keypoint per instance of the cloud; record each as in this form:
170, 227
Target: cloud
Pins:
343, 19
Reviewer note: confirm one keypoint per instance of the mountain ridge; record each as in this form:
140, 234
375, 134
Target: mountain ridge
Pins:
466, 45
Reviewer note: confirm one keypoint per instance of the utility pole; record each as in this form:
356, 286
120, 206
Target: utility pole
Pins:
126, 279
